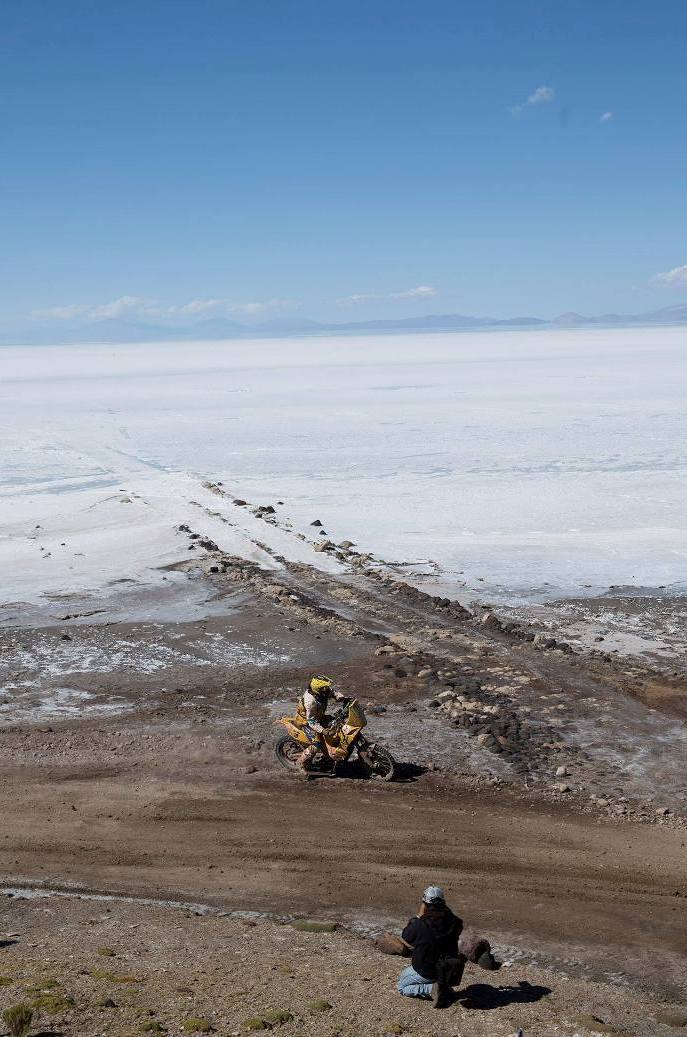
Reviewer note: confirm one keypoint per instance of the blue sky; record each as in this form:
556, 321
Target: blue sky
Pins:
341, 160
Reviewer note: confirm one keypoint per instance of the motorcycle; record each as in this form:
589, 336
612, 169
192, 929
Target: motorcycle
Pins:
342, 741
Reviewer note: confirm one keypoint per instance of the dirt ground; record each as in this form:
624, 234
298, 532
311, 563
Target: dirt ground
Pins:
120, 968
543, 788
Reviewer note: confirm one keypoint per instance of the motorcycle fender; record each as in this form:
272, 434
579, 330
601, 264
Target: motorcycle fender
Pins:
295, 731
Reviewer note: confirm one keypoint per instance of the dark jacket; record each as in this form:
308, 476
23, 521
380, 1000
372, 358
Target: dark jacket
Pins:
433, 936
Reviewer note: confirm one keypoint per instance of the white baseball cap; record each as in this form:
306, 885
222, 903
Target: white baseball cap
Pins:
432, 894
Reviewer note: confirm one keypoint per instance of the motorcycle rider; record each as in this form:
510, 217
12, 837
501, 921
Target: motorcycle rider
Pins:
312, 712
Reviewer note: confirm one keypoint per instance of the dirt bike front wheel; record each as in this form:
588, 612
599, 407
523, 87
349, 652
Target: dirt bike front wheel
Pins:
288, 751
378, 762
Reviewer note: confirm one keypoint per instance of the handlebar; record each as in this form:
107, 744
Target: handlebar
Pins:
342, 711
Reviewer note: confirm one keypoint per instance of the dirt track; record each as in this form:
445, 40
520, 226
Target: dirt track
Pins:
555, 885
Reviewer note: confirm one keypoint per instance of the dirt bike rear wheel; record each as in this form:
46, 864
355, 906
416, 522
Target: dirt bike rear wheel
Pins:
378, 762
288, 751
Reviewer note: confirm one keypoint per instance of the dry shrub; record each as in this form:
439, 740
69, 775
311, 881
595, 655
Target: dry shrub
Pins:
18, 1019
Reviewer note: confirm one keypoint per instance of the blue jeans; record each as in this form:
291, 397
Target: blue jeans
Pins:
412, 984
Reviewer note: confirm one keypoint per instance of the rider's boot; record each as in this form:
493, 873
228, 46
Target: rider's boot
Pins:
305, 759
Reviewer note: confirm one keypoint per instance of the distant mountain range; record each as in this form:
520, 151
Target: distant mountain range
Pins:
113, 331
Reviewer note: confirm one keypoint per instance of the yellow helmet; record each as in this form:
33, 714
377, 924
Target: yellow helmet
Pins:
319, 684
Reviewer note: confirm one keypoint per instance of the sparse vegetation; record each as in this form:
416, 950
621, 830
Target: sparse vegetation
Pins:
52, 1004
42, 986
18, 1019
107, 952
6, 981
303, 925
275, 1016
152, 1026
319, 1006
114, 977
255, 1023
196, 1025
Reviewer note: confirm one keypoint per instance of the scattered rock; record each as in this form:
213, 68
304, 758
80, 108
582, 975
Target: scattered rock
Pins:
490, 621
316, 523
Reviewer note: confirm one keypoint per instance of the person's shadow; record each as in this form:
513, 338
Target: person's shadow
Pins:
484, 996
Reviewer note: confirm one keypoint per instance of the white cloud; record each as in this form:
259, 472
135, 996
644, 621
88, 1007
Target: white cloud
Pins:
422, 291
606, 117
675, 278
196, 308
259, 307
126, 305
542, 95
360, 297
135, 307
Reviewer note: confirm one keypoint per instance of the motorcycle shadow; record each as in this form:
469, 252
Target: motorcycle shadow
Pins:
405, 772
